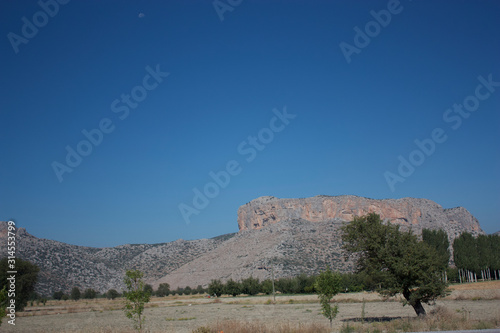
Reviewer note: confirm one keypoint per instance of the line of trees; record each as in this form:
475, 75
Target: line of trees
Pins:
300, 284
477, 257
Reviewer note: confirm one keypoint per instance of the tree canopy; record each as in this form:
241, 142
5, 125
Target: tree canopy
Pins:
438, 239
400, 262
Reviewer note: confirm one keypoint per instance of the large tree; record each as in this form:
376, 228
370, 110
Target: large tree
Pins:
402, 263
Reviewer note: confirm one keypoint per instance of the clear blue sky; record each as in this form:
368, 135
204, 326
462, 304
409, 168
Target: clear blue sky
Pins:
353, 120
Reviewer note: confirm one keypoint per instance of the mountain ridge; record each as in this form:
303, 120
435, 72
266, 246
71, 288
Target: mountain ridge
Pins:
303, 237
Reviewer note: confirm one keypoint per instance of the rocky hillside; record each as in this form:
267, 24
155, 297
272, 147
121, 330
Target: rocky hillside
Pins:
302, 235
290, 248
63, 266
289, 235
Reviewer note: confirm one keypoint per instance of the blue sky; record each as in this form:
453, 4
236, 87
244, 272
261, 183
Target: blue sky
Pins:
350, 118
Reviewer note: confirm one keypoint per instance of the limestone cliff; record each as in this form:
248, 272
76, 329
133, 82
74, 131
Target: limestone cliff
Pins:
408, 212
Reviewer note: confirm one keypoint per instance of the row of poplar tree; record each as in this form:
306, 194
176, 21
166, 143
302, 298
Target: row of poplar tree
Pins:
474, 257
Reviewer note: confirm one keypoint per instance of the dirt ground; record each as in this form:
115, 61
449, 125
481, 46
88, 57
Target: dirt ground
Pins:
185, 313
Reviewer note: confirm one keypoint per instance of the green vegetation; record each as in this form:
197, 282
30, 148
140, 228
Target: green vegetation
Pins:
438, 239
328, 284
75, 294
480, 256
398, 260
216, 288
136, 296
26, 277
232, 288
163, 290
57, 295
250, 286
112, 294
89, 293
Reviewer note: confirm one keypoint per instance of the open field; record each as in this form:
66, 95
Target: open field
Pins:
471, 302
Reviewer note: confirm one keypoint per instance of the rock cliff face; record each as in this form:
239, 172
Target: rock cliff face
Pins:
408, 212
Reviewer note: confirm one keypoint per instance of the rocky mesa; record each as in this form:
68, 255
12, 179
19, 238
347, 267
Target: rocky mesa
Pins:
413, 213
303, 235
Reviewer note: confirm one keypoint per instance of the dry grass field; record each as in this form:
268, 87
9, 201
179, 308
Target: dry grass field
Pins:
468, 306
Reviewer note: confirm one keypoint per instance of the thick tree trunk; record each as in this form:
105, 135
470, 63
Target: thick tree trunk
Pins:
417, 305
419, 309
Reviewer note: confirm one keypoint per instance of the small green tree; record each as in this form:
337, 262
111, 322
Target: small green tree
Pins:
200, 289
163, 290
89, 293
75, 294
327, 285
250, 286
149, 289
215, 288
136, 297
266, 286
188, 290
112, 294
232, 288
